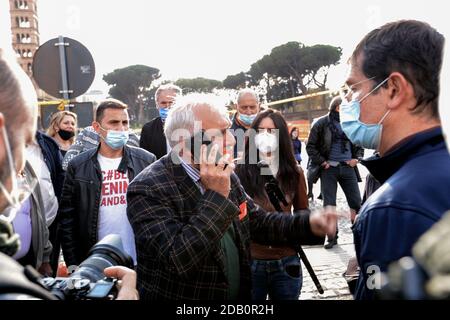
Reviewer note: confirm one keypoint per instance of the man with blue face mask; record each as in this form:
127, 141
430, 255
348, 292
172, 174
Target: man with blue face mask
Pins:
93, 203
247, 108
18, 113
392, 106
426, 275
152, 134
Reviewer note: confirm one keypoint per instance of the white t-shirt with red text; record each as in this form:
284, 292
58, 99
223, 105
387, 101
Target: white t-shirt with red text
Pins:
113, 205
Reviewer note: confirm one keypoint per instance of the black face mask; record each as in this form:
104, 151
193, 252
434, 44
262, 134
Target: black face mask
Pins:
65, 135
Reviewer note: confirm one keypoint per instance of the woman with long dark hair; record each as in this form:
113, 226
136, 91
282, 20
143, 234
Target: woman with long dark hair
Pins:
276, 271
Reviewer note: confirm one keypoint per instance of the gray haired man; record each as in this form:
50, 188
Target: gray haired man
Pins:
152, 135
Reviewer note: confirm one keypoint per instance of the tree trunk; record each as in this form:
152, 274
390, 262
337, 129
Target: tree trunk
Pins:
302, 86
268, 88
141, 117
293, 91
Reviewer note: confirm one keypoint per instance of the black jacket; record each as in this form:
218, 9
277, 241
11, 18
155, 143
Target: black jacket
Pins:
236, 127
53, 160
81, 197
319, 144
153, 138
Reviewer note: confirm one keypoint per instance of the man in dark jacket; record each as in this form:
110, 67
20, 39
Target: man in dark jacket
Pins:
93, 202
247, 108
392, 106
329, 148
193, 222
152, 134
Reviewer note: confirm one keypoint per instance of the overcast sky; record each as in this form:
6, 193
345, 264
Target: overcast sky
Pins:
211, 38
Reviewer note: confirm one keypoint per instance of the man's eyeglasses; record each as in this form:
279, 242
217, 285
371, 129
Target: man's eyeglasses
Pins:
346, 91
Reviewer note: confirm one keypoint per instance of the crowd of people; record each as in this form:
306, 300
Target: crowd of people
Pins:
189, 195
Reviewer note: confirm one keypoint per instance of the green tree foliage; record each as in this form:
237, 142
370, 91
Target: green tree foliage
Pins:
236, 81
318, 60
289, 70
130, 85
198, 84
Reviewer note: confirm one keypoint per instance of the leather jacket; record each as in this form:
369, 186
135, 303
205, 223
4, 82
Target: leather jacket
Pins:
81, 196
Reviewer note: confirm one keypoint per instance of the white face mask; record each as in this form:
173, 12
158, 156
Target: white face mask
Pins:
20, 188
266, 142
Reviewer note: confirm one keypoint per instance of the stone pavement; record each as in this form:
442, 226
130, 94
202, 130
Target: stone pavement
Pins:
330, 264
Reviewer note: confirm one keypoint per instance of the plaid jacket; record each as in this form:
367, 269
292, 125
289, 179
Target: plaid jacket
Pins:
178, 231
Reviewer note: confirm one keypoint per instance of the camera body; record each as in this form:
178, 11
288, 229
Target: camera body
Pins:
75, 288
404, 280
88, 281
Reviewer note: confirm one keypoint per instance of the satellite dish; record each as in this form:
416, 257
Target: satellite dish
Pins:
63, 68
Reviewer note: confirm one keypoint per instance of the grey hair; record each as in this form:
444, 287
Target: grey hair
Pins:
167, 87
247, 91
181, 120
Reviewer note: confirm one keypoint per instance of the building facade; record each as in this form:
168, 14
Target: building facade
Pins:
25, 31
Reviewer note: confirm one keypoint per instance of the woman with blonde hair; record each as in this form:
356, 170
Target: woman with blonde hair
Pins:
62, 128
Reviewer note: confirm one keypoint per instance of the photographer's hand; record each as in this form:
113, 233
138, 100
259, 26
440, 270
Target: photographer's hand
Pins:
127, 282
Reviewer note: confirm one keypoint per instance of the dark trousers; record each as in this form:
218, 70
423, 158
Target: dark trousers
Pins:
346, 177
310, 188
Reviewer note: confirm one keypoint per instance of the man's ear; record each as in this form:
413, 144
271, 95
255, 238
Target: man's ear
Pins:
399, 90
96, 126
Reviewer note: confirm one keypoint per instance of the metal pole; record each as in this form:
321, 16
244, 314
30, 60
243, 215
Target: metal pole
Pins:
270, 188
62, 60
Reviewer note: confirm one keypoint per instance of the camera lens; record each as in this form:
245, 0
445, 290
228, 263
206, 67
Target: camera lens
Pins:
106, 253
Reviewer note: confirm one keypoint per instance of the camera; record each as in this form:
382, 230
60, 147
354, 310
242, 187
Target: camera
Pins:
88, 282
404, 280
426, 274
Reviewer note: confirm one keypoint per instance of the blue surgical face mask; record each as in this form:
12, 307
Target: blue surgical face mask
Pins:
247, 119
116, 139
163, 112
364, 135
